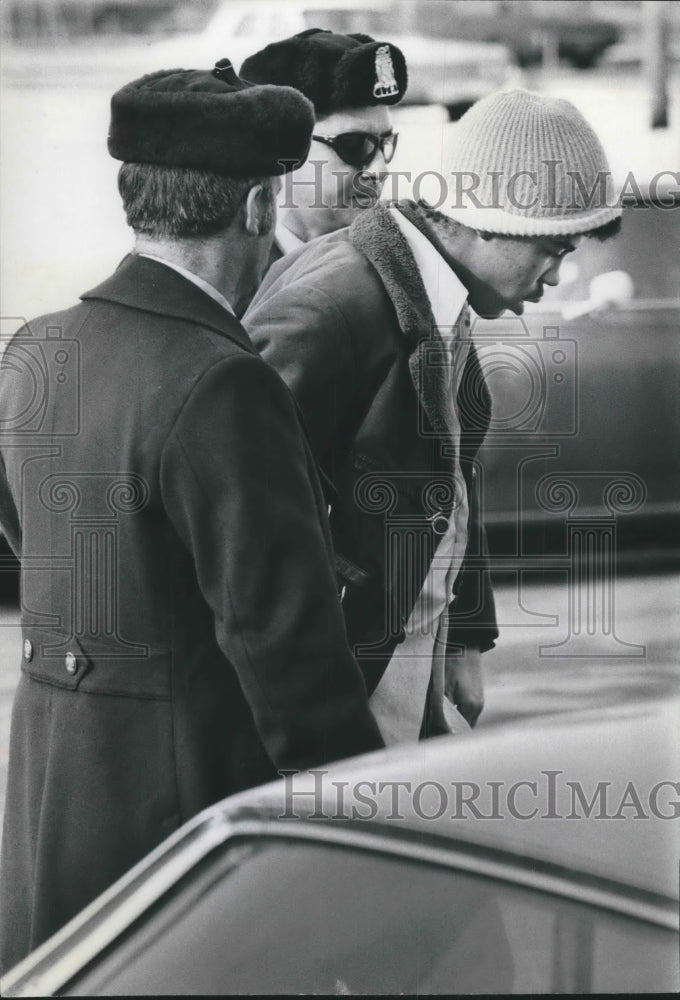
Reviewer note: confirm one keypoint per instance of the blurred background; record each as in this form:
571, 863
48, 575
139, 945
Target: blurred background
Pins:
600, 407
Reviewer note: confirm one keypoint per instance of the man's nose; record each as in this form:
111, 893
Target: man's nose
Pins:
376, 170
552, 275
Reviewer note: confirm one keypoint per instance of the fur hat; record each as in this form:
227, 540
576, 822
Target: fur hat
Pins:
527, 165
210, 120
334, 71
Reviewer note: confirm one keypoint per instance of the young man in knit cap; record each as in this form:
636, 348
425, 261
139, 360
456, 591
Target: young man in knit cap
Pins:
370, 328
352, 81
183, 637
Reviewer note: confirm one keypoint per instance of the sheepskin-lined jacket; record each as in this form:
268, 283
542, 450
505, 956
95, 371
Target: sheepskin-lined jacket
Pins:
347, 323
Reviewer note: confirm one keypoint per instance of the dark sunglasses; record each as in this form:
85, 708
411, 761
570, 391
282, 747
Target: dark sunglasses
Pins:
357, 149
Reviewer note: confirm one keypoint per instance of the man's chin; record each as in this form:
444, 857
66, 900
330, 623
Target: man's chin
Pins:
495, 312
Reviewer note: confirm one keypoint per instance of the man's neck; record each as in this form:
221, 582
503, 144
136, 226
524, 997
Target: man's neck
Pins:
222, 262
308, 223
452, 247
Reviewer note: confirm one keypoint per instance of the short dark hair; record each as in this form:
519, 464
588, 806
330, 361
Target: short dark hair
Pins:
605, 232
601, 233
179, 201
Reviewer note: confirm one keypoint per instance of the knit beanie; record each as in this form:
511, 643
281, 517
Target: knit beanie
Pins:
335, 72
528, 165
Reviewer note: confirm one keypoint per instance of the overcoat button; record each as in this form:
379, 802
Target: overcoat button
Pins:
70, 663
28, 650
440, 524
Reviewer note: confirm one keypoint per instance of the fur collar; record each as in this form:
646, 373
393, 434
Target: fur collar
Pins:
376, 235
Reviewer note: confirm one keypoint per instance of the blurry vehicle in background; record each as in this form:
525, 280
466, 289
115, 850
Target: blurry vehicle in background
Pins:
570, 30
34, 21
532, 29
441, 70
585, 391
408, 873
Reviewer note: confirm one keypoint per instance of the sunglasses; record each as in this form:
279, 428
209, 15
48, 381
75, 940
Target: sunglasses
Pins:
357, 149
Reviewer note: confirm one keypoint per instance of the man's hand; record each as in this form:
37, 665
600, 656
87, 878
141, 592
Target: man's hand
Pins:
464, 684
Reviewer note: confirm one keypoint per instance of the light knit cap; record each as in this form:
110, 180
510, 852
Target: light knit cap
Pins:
540, 169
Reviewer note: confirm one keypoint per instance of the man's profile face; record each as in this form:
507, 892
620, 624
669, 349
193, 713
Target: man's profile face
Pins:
510, 271
333, 190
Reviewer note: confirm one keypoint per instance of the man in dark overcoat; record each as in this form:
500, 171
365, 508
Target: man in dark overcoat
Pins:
182, 633
370, 326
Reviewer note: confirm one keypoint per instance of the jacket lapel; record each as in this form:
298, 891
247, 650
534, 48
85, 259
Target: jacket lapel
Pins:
146, 284
378, 237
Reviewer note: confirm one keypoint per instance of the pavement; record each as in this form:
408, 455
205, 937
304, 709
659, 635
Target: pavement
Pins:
531, 673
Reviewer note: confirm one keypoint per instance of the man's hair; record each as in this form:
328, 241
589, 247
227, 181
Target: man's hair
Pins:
178, 202
601, 233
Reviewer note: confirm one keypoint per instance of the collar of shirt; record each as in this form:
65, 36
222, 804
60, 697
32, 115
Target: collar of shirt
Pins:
286, 239
195, 279
445, 290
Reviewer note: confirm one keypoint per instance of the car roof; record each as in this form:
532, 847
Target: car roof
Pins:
628, 837
631, 747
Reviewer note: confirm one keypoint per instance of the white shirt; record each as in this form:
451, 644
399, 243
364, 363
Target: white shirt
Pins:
195, 279
398, 703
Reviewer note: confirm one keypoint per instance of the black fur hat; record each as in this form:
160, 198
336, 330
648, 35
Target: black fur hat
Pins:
210, 120
334, 71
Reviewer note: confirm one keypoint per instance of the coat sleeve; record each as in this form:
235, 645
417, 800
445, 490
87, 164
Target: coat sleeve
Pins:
472, 614
236, 483
303, 334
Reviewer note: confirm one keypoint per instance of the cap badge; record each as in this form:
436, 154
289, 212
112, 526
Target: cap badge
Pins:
385, 80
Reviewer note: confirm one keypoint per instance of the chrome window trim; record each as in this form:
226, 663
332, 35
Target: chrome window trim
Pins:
501, 870
219, 829
144, 890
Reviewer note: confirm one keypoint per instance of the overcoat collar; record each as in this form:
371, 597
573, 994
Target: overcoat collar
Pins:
148, 285
375, 234
378, 237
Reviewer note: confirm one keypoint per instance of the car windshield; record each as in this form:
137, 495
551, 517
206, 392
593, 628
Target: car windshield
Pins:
298, 917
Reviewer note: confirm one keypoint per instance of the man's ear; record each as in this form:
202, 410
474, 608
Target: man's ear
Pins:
255, 210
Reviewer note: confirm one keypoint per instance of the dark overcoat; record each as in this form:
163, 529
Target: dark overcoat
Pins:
183, 637
347, 323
